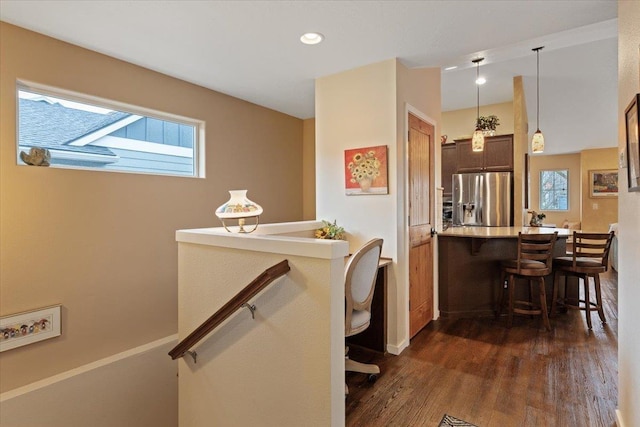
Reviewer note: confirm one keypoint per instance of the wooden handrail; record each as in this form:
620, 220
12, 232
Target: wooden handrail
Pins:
242, 297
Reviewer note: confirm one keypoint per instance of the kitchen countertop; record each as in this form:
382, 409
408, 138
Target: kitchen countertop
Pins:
501, 232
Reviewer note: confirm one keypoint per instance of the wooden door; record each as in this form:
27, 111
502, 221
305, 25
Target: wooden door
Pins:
420, 174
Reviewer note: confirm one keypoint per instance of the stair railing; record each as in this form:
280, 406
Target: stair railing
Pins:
240, 300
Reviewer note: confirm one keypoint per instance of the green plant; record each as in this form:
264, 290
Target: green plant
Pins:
488, 122
330, 231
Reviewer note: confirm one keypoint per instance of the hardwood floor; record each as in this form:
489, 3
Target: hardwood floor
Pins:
480, 371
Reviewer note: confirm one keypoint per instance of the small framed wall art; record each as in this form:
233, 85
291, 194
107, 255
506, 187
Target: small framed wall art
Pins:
632, 122
28, 327
365, 170
603, 183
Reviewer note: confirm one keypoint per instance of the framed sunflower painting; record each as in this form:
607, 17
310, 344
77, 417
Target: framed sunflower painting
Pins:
365, 171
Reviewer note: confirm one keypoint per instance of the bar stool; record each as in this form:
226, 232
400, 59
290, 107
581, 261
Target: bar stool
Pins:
534, 262
589, 259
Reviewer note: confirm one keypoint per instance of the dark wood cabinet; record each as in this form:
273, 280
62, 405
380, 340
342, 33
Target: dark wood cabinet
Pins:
496, 157
449, 166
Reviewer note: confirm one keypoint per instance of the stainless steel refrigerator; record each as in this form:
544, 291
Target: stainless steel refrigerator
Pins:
482, 199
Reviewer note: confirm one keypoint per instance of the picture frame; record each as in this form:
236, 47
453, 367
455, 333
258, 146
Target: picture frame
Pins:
603, 183
632, 121
365, 171
17, 330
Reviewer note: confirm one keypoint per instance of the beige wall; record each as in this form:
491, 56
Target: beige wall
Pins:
139, 388
629, 226
595, 214
555, 162
459, 124
598, 212
364, 107
102, 244
309, 169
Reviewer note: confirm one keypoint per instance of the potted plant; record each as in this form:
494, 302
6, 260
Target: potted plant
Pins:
330, 231
488, 124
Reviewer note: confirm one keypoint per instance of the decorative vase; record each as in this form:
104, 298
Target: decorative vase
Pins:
239, 207
365, 184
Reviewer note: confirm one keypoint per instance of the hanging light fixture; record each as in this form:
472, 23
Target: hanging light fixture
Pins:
477, 141
537, 142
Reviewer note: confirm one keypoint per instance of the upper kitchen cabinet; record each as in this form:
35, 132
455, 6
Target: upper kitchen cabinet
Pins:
496, 157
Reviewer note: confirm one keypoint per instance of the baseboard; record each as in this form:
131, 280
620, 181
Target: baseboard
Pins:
397, 349
619, 421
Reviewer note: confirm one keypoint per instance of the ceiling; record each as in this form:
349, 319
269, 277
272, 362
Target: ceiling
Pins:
251, 49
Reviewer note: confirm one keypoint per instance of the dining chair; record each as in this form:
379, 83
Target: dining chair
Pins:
534, 262
589, 258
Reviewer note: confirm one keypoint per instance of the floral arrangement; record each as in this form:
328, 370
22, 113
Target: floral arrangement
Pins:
488, 122
330, 231
364, 167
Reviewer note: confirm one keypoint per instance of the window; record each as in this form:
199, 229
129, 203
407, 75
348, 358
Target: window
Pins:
90, 133
554, 190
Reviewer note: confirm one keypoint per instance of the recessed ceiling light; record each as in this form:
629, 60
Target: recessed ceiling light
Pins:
453, 67
481, 81
311, 38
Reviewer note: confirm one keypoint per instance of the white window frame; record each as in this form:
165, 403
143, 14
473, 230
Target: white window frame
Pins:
115, 142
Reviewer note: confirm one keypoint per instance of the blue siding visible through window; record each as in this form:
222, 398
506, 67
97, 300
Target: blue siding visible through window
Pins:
171, 134
154, 131
186, 136
158, 131
137, 130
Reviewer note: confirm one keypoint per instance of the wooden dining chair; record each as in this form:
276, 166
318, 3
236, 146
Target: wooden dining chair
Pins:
534, 262
590, 257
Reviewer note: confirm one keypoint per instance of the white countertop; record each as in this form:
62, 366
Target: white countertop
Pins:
501, 232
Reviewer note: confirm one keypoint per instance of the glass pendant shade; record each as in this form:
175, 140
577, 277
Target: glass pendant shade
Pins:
537, 142
477, 141
239, 207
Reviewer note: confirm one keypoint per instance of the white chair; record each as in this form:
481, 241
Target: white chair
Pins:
359, 279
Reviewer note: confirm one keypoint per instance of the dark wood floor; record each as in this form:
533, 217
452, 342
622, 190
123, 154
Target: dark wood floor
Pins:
491, 376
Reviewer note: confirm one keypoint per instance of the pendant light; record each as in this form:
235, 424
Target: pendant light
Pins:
537, 142
477, 141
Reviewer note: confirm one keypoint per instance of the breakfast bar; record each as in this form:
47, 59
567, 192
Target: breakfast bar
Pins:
469, 266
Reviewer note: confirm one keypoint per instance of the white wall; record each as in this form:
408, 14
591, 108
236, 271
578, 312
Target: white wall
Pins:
286, 366
356, 109
361, 108
629, 226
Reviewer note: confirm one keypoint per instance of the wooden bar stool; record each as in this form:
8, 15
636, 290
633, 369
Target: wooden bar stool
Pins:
534, 262
589, 259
